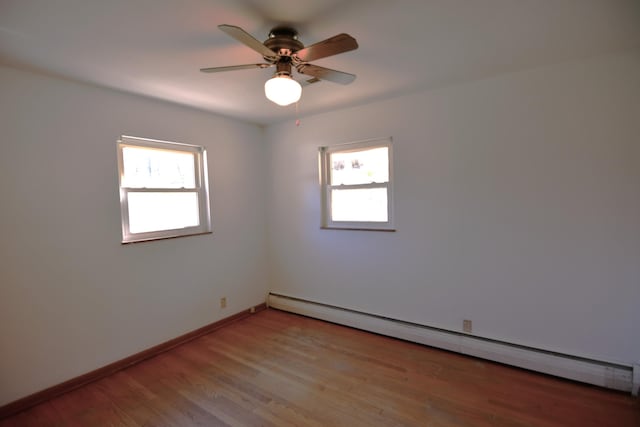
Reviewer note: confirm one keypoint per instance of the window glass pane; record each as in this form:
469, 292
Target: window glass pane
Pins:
367, 204
360, 167
162, 211
154, 168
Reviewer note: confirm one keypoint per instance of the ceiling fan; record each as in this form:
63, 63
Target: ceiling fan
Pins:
284, 51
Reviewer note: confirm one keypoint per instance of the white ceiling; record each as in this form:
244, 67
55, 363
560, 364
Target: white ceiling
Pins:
156, 47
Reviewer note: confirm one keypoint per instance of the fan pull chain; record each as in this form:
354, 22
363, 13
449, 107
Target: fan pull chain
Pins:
297, 116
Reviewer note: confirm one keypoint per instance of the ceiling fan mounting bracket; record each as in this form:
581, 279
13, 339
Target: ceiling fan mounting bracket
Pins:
283, 31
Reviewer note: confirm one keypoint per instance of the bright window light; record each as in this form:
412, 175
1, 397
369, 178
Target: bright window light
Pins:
163, 189
356, 185
162, 211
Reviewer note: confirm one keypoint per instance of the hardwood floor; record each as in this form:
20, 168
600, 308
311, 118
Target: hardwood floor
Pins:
279, 369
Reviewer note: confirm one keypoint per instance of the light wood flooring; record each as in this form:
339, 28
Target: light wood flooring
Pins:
279, 369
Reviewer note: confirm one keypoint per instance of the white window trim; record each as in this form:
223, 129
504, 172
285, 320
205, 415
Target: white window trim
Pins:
325, 174
201, 187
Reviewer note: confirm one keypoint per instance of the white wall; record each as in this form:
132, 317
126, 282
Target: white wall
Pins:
72, 298
517, 206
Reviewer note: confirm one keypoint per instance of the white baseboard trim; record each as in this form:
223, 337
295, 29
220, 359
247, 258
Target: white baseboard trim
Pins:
604, 374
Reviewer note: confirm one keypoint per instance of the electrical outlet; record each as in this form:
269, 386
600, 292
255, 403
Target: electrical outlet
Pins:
223, 302
466, 326
252, 310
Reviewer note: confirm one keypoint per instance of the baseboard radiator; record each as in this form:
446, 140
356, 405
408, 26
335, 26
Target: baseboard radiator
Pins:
609, 375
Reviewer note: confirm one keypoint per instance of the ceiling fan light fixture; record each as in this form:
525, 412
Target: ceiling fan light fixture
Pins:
282, 90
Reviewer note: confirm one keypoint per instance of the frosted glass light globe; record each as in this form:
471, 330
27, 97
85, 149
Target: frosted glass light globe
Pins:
282, 90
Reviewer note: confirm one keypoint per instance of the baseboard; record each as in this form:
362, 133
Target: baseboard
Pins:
600, 373
74, 383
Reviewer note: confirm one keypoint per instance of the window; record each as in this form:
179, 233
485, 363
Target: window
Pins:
356, 185
163, 189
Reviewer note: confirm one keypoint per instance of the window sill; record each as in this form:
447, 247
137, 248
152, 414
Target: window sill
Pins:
391, 230
153, 239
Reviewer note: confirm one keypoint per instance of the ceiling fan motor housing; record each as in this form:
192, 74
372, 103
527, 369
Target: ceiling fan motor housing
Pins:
284, 41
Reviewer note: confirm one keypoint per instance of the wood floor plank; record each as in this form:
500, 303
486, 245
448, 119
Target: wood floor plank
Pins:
280, 369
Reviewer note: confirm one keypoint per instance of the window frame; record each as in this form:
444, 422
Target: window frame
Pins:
326, 187
201, 189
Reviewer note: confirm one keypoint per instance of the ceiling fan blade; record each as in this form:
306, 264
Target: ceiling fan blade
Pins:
326, 74
310, 81
331, 46
234, 67
247, 39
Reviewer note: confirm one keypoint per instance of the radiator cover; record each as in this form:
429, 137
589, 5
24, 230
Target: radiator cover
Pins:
604, 374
